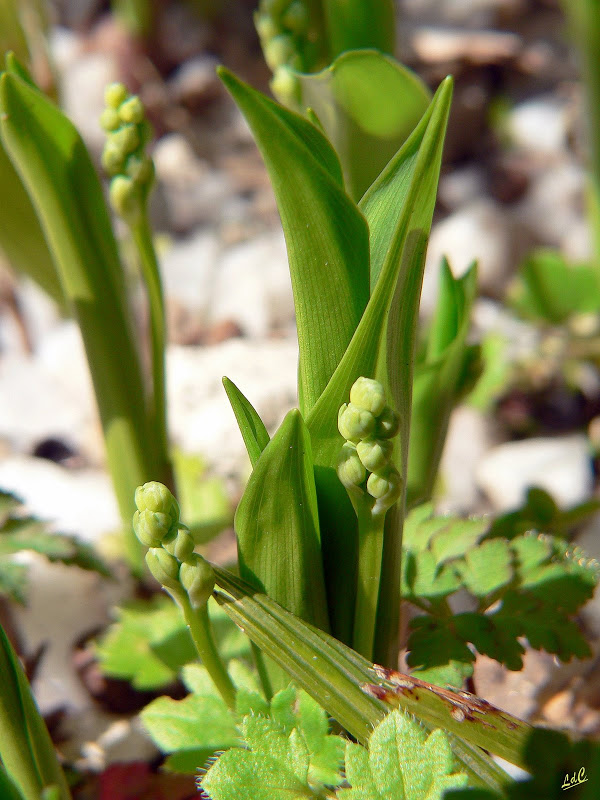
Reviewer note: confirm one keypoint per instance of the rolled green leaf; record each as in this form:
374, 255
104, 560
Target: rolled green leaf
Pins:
26, 749
56, 170
359, 25
440, 380
277, 525
352, 99
251, 426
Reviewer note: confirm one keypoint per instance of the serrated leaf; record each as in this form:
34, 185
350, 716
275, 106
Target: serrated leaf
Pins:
423, 579
351, 99
277, 525
327, 237
403, 763
251, 426
437, 653
487, 567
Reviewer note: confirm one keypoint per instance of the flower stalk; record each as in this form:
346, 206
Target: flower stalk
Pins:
184, 574
366, 469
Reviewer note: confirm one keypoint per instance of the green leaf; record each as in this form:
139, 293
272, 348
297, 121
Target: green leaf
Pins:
350, 688
13, 581
193, 729
8, 788
355, 25
327, 237
149, 642
351, 98
403, 762
26, 750
487, 567
58, 174
549, 289
398, 208
277, 525
440, 380
252, 428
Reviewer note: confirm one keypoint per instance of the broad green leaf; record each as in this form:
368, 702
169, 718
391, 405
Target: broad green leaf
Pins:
402, 762
277, 525
26, 750
355, 25
400, 201
353, 100
193, 729
487, 567
252, 428
58, 174
21, 238
549, 289
339, 679
8, 788
326, 236
439, 380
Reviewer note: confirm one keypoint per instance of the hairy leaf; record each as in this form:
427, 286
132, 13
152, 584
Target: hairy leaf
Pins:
402, 762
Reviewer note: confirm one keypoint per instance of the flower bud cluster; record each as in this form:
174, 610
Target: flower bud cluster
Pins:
365, 462
171, 558
124, 158
289, 41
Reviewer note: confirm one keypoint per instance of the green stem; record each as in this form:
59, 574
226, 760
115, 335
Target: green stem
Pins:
142, 236
370, 551
200, 629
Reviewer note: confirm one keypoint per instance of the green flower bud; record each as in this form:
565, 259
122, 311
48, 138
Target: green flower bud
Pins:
368, 394
140, 170
109, 120
350, 470
286, 86
386, 488
388, 424
113, 158
114, 94
165, 568
266, 27
375, 453
127, 139
198, 578
151, 527
355, 423
124, 197
132, 110
279, 50
180, 544
295, 18
155, 496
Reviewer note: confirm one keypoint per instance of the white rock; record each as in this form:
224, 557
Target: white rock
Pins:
478, 231
80, 502
551, 209
561, 466
253, 286
82, 94
200, 417
540, 125
469, 438
188, 269
461, 186
175, 160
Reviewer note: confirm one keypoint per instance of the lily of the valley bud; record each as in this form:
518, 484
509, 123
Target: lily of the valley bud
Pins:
386, 488
151, 527
180, 544
165, 568
198, 579
155, 496
369, 395
350, 469
355, 423
388, 424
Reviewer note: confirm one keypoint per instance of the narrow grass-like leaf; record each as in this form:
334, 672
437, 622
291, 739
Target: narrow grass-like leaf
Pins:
252, 428
439, 381
58, 173
26, 749
351, 98
326, 236
277, 525
337, 677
